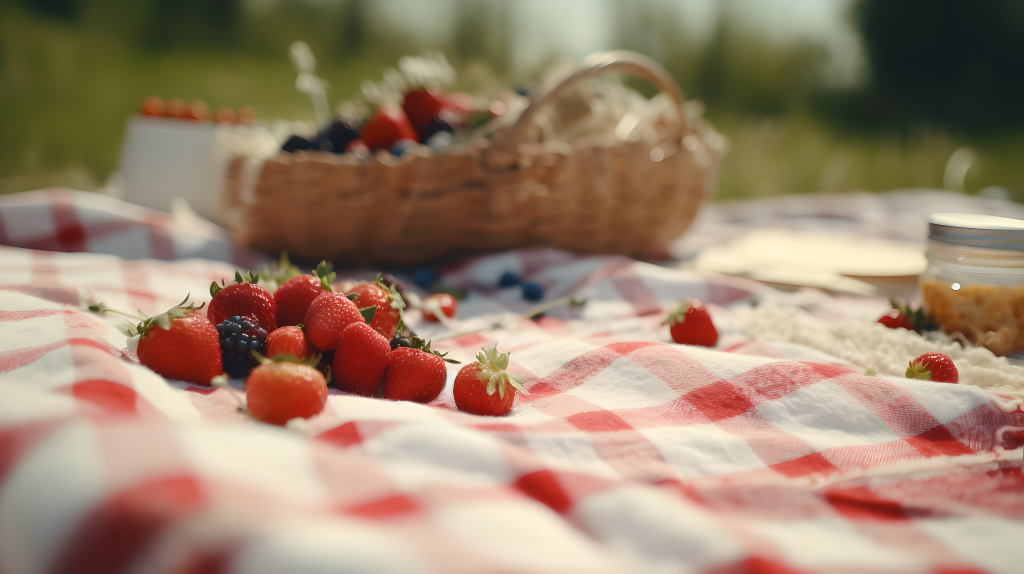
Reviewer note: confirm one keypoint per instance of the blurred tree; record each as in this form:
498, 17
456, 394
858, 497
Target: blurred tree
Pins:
63, 10
951, 62
193, 23
351, 27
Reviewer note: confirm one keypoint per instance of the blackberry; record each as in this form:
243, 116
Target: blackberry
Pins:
238, 337
400, 342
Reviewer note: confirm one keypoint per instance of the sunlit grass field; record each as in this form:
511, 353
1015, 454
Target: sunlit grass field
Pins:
66, 93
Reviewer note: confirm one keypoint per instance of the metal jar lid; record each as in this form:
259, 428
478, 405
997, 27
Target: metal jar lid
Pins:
976, 230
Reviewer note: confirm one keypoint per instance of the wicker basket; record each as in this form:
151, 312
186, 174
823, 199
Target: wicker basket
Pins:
627, 197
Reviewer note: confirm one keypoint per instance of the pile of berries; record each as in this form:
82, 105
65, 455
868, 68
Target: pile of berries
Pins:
428, 116
288, 345
196, 110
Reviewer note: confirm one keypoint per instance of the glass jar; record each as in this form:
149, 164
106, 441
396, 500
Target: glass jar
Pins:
974, 284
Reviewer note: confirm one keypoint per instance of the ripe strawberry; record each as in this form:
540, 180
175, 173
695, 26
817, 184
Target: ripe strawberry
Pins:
243, 298
278, 392
174, 108
196, 110
476, 383
388, 301
439, 303
179, 344
289, 340
421, 106
905, 317
415, 374
386, 127
690, 324
293, 297
895, 319
327, 317
933, 367
360, 360
152, 107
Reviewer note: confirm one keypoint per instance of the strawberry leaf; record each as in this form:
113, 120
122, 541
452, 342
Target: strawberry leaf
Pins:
286, 358
368, 313
352, 296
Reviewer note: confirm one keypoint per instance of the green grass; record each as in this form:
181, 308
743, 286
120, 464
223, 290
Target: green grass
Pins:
66, 92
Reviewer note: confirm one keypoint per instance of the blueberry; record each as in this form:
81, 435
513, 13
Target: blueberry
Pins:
436, 126
297, 143
402, 146
336, 136
508, 279
532, 291
400, 342
424, 277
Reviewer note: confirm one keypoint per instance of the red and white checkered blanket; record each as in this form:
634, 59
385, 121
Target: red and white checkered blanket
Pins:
629, 454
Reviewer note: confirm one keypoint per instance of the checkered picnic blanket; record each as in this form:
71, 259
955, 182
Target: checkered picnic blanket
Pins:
630, 454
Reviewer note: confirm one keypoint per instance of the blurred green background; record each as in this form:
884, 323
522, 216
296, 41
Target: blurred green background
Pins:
814, 95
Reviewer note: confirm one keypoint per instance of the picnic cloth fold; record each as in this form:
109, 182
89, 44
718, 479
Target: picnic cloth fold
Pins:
630, 454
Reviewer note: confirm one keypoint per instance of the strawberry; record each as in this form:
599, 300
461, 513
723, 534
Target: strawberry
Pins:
360, 359
905, 317
293, 297
327, 317
439, 303
179, 344
152, 107
421, 106
485, 387
277, 392
933, 367
290, 340
174, 108
386, 127
690, 324
415, 373
388, 301
895, 319
243, 298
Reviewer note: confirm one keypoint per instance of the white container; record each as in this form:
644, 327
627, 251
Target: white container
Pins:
165, 158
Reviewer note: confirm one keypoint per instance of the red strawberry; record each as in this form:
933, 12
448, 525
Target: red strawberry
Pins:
442, 302
327, 317
389, 302
360, 360
895, 319
485, 387
289, 341
933, 367
243, 298
386, 127
421, 106
905, 317
179, 344
152, 106
293, 297
690, 324
279, 392
415, 373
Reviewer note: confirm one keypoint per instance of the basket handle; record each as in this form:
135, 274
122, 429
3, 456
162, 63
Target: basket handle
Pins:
503, 152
